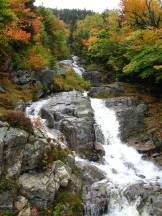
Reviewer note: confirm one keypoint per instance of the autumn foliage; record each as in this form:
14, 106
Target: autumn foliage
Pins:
142, 12
127, 42
13, 32
28, 34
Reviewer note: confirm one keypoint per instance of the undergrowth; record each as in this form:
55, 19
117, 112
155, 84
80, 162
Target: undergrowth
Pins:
70, 81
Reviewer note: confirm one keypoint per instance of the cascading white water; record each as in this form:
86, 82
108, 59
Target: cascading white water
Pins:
78, 70
40, 125
33, 112
123, 165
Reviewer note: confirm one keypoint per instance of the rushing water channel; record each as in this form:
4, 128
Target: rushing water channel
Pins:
122, 164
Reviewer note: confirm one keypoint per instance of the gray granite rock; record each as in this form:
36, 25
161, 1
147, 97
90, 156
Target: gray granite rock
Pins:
112, 90
41, 188
71, 113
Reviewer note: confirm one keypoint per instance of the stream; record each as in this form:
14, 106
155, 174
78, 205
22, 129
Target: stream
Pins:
122, 165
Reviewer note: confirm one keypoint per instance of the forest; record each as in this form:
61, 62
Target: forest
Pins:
126, 42
81, 109
33, 38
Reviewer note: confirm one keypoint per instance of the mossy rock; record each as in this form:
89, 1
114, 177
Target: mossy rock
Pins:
8, 184
53, 154
68, 203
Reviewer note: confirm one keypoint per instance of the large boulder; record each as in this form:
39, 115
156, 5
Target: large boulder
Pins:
130, 117
111, 90
131, 122
132, 192
12, 144
46, 76
96, 199
149, 199
32, 155
91, 174
41, 188
43, 79
121, 102
20, 152
143, 144
71, 113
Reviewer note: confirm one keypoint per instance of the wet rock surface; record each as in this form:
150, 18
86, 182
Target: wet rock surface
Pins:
150, 198
130, 116
157, 158
22, 206
142, 144
131, 122
20, 203
96, 199
71, 113
90, 173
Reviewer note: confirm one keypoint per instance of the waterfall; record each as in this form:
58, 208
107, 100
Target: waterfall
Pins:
33, 112
78, 70
74, 64
123, 165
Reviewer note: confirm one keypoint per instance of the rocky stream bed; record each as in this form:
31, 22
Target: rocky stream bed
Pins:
86, 147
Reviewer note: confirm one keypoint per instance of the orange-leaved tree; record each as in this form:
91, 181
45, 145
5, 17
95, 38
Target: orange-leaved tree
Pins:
18, 22
142, 13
